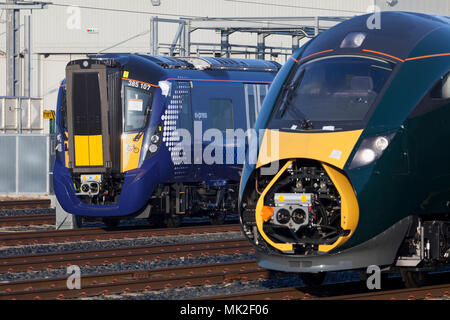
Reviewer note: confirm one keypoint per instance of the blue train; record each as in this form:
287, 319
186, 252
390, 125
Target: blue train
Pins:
155, 137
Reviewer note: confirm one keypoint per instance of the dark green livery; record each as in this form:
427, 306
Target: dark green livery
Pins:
403, 191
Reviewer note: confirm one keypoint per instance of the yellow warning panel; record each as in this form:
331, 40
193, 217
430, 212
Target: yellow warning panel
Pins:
66, 149
81, 151
95, 151
88, 151
131, 151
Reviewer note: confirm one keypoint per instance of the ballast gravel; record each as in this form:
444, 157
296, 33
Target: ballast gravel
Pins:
25, 212
127, 267
116, 244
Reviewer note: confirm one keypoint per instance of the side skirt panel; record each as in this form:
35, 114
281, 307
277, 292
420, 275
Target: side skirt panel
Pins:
380, 250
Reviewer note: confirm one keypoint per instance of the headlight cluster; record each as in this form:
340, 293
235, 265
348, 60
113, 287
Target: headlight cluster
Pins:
152, 142
371, 150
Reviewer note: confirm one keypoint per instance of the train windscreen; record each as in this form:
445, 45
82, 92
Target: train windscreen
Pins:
333, 89
135, 108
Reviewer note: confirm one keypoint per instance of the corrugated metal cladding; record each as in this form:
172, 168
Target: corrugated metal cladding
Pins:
61, 29
60, 33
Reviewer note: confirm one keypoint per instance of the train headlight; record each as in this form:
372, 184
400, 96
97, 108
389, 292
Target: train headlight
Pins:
381, 143
154, 139
153, 142
367, 156
353, 40
153, 148
371, 150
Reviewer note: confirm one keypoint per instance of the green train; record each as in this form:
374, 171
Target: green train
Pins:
352, 166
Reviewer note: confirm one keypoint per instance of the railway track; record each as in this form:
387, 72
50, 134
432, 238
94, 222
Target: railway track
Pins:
341, 291
25, 204
97, 234
135, 281
200, 275
122, 255
429, 292
33, 220
146, 281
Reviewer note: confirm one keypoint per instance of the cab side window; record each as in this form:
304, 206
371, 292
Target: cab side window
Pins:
220, 113
437, 97
442, 89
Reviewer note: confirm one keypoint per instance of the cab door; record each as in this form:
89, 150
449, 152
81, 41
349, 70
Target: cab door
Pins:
87, 111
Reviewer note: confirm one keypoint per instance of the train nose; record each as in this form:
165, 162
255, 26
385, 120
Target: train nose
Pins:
316, 211
317, 208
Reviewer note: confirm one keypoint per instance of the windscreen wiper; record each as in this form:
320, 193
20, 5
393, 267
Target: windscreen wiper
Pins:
289, 90
148, 110
307, 124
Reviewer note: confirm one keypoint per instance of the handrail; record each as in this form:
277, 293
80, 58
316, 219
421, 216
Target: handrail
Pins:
19, 104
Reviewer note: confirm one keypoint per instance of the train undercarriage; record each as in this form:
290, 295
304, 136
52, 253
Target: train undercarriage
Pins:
170, 203
426, 248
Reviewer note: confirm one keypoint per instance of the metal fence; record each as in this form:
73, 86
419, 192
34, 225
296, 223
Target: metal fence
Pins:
21, 115
25, 164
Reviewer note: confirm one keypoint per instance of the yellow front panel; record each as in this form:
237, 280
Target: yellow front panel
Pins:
259, 214
81, 151
131, 151
329, 147
66, 149
88, 151
349, 206
95, 151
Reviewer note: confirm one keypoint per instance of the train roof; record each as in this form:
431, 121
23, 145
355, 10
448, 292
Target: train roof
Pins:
398, 33
152, 69
193, 63
209, 63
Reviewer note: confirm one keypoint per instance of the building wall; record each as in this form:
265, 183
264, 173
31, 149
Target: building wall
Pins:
59, 33
2, 75
439, 7
124, 19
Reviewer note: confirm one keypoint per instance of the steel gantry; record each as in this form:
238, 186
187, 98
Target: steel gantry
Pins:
13, 8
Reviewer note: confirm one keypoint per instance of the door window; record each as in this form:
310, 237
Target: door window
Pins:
221, 114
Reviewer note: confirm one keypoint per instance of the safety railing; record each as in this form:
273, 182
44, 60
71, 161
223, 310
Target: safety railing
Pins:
21, 115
